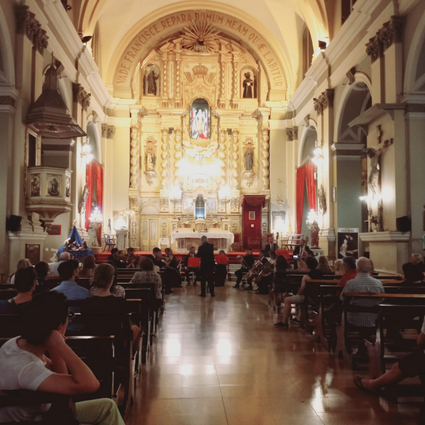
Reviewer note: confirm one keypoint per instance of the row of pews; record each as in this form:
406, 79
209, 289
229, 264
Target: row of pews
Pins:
104, 342
400, 312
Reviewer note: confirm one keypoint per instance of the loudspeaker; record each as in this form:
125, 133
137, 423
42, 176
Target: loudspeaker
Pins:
13, 223
404, 224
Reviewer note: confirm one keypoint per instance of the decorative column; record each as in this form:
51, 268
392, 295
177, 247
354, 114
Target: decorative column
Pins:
165, 80
265, 156
134, 149
222, 156
221, 103
165, 148
235, 159
178, 83
235, 94
177, 155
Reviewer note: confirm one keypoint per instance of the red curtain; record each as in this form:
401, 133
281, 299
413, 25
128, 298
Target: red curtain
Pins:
306, 172
251, 229
94, 176
99, 194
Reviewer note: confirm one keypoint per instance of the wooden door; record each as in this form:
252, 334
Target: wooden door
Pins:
149, 235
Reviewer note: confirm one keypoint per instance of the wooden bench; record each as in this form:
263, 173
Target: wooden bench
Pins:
397, 329
59, 412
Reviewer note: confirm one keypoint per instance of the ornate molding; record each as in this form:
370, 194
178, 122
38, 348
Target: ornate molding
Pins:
295, 133
390, 33
134, 152
164, 161
235, 158
221, 152
81, 96
108, 131
410, 107
7, 100
28, 25
289, 134
325, 100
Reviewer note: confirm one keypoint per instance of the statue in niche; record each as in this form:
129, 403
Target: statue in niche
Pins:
200, 119
151, 86
248, 86
150, 157
249, 159
35, 185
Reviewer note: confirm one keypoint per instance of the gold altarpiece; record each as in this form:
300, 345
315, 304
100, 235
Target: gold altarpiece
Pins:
165, 150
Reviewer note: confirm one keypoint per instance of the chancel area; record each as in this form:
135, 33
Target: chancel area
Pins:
212, 212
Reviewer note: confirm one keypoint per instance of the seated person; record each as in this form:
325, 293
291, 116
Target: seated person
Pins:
271, 246
25, 282
89, 265
116, 290
103, 302
418, 261
170, 259
409, 367
116, 259
22, 264
221, 269
24, 365
312, 274
69, 286
187, 269
281, 267
42, 269
339, 267
412, 275
132, 261
265, 277
363, 283
349, 270
64, 256
148, 275
247, 262
301, 251
324, 265
157, 258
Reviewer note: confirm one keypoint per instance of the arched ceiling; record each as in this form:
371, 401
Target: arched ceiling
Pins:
280, 22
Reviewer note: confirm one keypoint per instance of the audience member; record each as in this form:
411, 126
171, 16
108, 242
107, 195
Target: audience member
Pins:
89, 265
148, 275
349, 270
116, 258
412, 274
418, 261
324, 265
281, 267
42, 269
103, 302
22, 264
248, 261
116, 290
25, 282
64, 256
24, 365
68, 286
363, 283
132, 261
339, 267
312, 274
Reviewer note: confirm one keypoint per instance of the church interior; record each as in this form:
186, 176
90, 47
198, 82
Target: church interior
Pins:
285, 136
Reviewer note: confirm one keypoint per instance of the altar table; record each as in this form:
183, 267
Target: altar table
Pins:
220, 240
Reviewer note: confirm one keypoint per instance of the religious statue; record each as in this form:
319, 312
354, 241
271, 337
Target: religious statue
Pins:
249, 159
248, 86
35, 186
374, 167
67, 188
152, 77
53, 187
83, 199
150, 157
314, 228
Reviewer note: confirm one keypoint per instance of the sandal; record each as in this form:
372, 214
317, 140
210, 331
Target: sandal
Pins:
358, 383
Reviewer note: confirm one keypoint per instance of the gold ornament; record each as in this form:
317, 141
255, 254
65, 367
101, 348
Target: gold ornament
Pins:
200, 37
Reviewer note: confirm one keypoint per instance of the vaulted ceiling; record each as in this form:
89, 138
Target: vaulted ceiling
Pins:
280, 22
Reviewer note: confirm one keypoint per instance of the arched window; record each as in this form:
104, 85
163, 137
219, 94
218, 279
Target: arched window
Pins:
200, 209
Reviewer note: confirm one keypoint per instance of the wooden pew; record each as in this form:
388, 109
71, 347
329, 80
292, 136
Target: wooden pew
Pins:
59, 413
347, 333
397, 330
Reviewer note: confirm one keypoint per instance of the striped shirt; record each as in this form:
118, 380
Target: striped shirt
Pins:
363, 283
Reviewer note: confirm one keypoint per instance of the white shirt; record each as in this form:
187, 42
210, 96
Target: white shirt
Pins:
54, 268
20, 369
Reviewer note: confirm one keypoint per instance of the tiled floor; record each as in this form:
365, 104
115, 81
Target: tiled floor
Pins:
221, 361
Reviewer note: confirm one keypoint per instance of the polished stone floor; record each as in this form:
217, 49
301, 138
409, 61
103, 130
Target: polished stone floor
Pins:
221, 361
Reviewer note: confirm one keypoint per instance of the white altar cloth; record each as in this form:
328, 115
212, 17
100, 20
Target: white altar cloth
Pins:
224, 239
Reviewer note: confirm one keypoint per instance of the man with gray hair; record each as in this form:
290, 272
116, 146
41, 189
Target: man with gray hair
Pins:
65, 256
206, 254
418, 261
363, 283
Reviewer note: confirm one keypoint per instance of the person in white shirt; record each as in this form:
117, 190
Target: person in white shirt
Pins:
65, 256
24, 365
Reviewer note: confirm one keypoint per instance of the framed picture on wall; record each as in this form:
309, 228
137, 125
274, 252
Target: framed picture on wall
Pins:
251, 215
54, 230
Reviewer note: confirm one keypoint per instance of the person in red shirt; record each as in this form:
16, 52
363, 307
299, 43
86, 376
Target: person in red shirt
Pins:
350, 270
